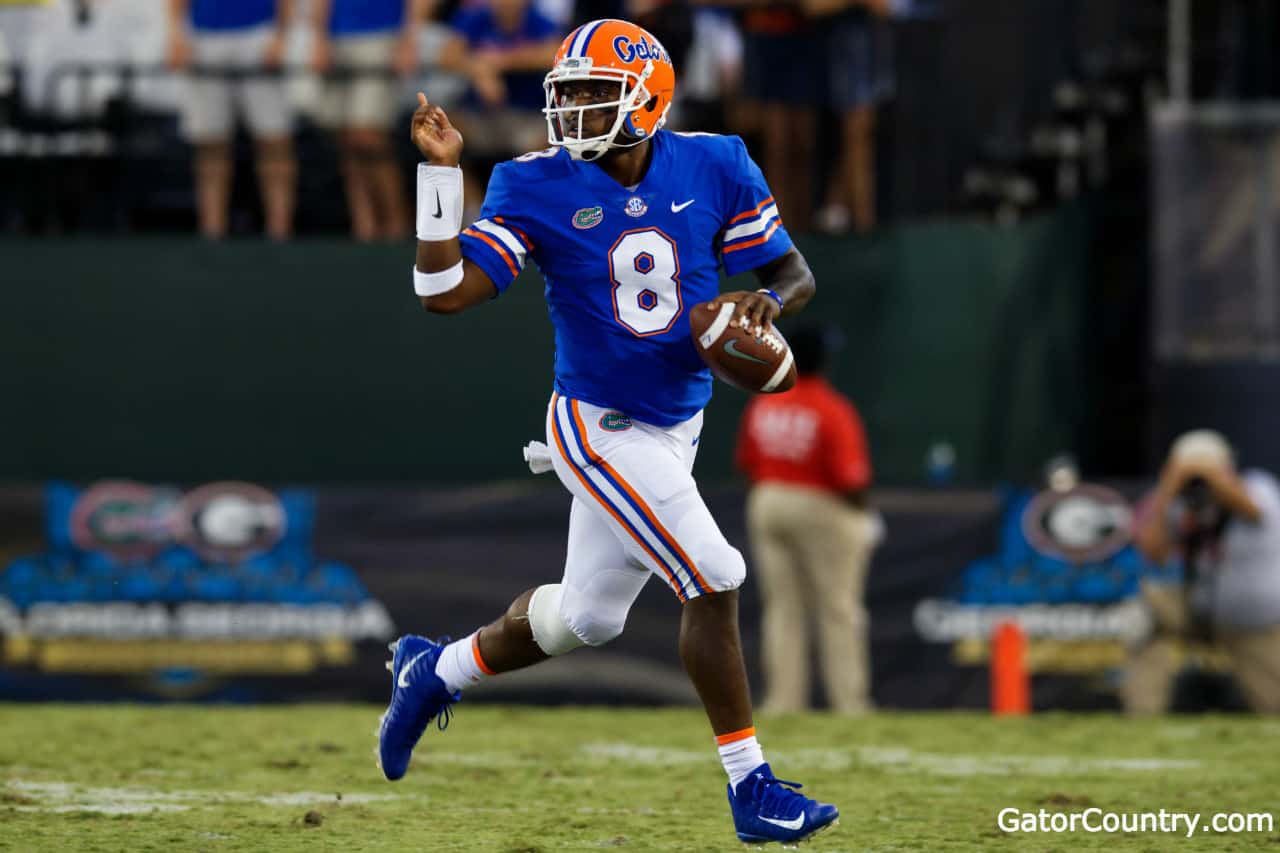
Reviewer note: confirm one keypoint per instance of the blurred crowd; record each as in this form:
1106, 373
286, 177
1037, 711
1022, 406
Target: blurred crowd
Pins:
248, 81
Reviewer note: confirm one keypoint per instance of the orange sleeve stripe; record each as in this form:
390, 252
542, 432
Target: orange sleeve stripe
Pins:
475, 653
524, 238
497, 247
756, 242
740, 734
555, 433
747, 214
667, 538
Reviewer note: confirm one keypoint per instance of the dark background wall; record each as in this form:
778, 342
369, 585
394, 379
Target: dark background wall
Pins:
171, 359
975, 75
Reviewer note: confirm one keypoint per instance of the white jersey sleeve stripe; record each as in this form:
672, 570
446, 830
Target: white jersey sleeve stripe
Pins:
755, 226
504, 236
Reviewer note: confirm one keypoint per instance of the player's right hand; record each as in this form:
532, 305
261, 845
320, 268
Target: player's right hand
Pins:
321, 55
273, 57
437, 139
179, 52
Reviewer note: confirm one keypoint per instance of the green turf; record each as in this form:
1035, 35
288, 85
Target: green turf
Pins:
517, 779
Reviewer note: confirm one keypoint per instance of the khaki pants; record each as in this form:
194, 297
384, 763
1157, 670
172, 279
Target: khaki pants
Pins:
811, 551
212, 103
1153, 665
363, 100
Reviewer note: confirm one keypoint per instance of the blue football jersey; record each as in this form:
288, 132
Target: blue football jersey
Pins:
624, 266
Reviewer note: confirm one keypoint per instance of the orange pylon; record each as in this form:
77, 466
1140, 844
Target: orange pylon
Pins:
1010, 684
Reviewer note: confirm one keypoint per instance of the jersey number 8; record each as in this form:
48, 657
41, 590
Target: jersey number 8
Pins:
645, 273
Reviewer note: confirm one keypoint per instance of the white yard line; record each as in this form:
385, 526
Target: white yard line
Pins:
59, 797
899, 758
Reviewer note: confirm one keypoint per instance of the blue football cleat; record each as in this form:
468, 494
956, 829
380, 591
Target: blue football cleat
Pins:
768, 809
418, 696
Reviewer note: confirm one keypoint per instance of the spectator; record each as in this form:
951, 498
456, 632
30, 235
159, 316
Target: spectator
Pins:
812, 532
1226, 528
363, 41
244, 38
504, 48
669, 21
856, 73
713, 75
779, 75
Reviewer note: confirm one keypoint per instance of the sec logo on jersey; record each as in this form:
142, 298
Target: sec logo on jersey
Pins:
636, 206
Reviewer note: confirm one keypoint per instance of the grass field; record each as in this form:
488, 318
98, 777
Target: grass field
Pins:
134, 778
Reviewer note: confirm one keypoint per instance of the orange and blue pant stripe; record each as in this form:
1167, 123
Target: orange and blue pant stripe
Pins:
650, 526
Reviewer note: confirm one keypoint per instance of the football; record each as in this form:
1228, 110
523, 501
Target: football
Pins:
761, 364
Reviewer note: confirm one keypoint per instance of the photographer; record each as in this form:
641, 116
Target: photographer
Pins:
1225, 526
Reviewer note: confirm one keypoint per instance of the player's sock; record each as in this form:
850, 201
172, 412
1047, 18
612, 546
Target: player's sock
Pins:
460, 664
740, 753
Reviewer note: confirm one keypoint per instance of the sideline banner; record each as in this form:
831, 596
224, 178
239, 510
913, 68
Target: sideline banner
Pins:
154, 591
230, 591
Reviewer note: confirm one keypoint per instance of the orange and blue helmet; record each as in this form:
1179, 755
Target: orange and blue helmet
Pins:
618, 51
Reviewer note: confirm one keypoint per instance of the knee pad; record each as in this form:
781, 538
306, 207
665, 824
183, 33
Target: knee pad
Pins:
597, 611
596, 629
721, 566
734, 567
550, 631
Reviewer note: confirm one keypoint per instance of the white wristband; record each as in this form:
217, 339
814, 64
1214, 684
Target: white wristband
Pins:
432, 283
439, 202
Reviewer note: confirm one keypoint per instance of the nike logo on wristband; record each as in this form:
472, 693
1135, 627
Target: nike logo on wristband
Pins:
439, 212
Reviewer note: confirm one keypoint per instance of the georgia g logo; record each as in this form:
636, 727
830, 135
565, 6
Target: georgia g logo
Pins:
1085, 524
629, 51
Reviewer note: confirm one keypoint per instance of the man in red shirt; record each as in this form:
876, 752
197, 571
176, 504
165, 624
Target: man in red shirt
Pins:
812, 532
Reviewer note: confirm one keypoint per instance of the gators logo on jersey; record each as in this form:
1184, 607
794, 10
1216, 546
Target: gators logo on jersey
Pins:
588, 217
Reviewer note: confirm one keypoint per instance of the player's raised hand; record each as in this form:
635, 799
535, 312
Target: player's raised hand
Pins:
437, 139
753, 311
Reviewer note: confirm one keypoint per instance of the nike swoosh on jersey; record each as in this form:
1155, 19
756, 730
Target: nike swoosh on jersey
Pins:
401, 681
676, 208
731, 347
795, 823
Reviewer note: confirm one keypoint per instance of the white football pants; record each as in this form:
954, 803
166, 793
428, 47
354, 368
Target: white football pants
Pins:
636, 511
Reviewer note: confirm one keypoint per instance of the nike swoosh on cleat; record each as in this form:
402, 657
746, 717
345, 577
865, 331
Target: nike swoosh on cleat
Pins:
401, 682
785, 824
676, 208
731, 347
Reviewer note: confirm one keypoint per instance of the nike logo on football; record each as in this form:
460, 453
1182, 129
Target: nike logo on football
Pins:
676, 208
731, 347
402, 682
796, 823
439, 213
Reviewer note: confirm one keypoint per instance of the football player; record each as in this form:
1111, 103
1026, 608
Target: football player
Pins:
629, 224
